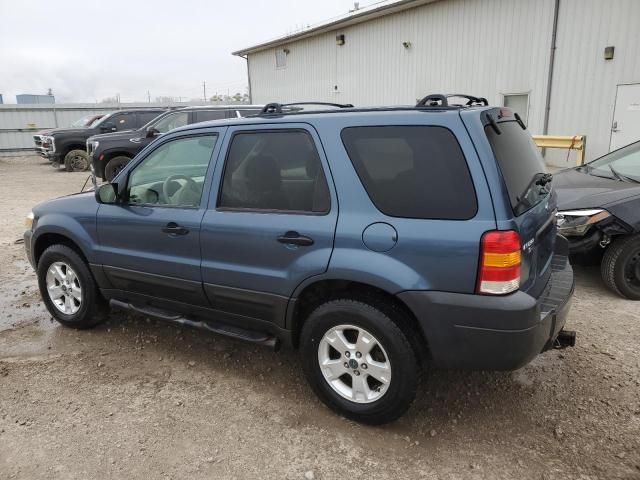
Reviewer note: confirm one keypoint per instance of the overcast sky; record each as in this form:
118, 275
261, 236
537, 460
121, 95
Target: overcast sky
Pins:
86, 50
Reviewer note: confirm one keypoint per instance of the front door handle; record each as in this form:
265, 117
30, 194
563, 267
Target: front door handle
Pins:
173, 228
294, 238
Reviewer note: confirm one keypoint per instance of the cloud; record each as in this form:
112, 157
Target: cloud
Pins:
88, 50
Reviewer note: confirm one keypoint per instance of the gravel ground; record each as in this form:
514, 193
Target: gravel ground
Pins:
135, 398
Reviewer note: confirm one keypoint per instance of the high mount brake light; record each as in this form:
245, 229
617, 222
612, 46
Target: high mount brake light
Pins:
500, 260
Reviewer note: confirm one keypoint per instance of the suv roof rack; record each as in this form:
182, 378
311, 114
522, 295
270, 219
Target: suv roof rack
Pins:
439, 100
272, 108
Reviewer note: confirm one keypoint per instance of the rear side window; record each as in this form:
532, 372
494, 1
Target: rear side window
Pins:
412, 171
274, 171
520, 163
204, 115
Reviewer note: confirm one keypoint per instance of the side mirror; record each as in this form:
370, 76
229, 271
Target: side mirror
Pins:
107, 193
152, 132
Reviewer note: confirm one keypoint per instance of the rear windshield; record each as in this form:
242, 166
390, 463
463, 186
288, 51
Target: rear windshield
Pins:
520, 163
412, 171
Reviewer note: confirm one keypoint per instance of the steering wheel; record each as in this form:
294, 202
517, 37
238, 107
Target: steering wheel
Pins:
165, 186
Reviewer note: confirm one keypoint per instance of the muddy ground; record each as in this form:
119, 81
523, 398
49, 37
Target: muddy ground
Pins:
139, 399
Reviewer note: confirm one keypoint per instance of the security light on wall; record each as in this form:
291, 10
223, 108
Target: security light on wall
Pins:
286, 51
340, 39
406, 45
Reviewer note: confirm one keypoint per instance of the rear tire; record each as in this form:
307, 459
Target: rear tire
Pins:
76, 161
68, 289
621, 267
381, 384
114, 166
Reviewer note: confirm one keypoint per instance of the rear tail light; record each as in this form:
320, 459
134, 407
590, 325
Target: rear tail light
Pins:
500, 260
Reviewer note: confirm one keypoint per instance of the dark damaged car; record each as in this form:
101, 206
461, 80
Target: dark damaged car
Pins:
599, 212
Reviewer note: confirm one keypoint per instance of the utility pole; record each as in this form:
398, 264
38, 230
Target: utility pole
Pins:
148, 96
204, 91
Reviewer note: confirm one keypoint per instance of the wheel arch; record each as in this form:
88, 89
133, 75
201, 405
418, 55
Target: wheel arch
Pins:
45, 240
71, 146
320, 291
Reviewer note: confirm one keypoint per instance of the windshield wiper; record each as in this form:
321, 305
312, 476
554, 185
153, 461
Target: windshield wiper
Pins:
622, 178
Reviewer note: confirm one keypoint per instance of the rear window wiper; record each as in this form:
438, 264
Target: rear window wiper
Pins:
544, 179
524, 201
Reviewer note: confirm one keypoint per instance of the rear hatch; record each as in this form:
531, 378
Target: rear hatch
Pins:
529, 193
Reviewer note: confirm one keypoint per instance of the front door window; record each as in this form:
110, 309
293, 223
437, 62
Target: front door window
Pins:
173, 175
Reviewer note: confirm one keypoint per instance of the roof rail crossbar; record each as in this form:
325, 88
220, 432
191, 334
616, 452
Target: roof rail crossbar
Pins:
277, 107
434, 100
471, 100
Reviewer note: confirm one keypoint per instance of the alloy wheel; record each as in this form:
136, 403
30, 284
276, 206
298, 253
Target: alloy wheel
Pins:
354, 364
64, 288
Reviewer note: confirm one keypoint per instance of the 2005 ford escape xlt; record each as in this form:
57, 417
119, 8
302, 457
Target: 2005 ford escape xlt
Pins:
371, 239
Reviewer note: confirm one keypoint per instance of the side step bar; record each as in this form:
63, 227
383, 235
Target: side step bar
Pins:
252, 336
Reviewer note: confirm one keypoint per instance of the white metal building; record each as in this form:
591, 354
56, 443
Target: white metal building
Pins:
568, 66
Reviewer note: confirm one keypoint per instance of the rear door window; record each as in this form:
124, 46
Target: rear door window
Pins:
274, 170
521, 164
412, 171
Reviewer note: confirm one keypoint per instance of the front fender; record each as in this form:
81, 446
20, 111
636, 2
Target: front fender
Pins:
80, 228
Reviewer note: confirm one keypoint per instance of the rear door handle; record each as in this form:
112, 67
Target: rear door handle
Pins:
294, 238
173, 228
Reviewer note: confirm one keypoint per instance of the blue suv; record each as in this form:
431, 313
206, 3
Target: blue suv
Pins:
372, 239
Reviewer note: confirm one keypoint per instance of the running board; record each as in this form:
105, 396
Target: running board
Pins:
252, 336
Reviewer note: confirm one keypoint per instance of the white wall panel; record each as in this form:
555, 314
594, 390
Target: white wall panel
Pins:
584, 88
481, 47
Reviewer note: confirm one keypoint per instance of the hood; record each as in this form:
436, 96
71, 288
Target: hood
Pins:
580, 190
68, 131
45, 132
62, 204
123, 135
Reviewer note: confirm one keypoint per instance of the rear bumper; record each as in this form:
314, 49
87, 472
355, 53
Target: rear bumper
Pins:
493, 333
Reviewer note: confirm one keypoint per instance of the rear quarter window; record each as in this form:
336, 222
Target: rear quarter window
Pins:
412, 171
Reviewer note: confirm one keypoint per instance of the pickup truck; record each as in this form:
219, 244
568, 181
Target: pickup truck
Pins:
66, 146
42, 147
110, 152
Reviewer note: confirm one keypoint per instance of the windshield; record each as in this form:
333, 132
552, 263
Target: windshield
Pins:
521, 164
95, 121
83, 122
622, 164
170, 121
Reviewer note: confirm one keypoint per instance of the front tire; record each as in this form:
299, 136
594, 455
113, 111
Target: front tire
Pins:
621, 267
114, 166
359, 361
68, 289
76, 161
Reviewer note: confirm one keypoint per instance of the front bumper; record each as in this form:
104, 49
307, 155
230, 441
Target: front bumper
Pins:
54, 157
494, 333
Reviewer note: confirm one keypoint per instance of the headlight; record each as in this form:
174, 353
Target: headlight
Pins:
52, 142
94, 145
575, 223
28, 222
